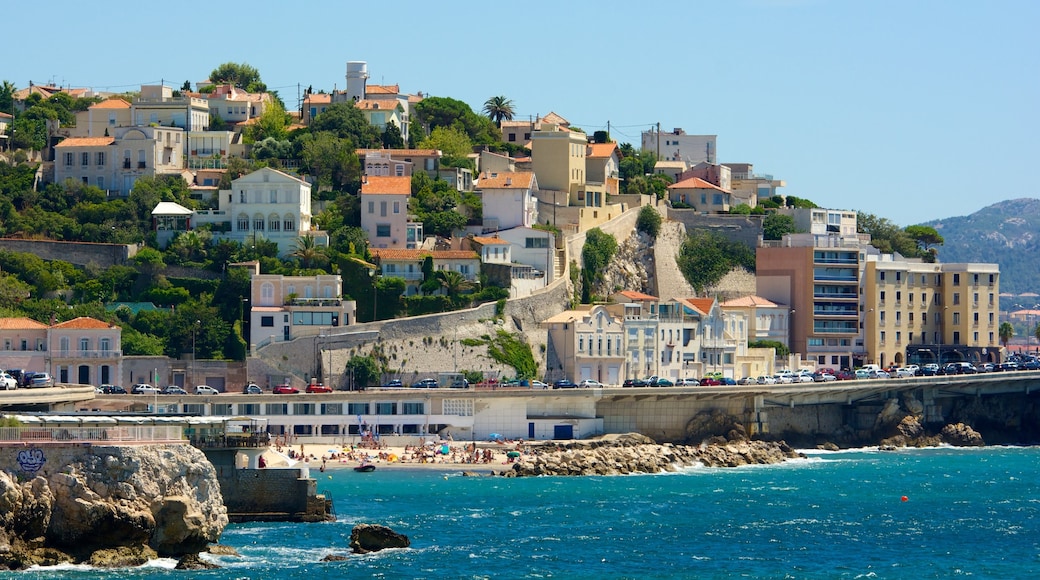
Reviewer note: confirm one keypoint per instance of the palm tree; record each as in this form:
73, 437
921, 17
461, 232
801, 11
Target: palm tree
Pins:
1005, 331
308, 252
499, 109
453, 282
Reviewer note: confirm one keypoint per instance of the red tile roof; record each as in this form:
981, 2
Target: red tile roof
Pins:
86, 142
317, 98
399, 153
745, 301
398, 254
488, 241
382, 89
386, 185
599, 150
505, 180
377, 104
20, 324
84, 323
113, 103
695, 183
633, 295
702, 304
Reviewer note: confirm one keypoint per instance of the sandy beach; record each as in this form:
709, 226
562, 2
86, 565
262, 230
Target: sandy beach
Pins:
447, 456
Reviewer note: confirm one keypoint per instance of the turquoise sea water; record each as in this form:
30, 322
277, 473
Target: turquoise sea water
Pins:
968, 513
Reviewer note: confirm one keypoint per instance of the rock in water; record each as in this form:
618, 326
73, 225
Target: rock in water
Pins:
961, 435
365, 538
193, 562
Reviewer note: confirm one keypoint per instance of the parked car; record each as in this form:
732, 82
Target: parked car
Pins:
765, 380
463, 383
426, 384
144, 389
662, 382
173, 390
904, 373
7, 382
252, 389
709, 382
112, 390
538, 385
591, 384
394, 384
748, 381
864, 374
803, 378
845, 375
960, 368
41, 380
634, 383
914, 369
986, 368
1008, 366
783, 378
285, 389
205, 390
930, 370
318, 388
824, 378
565, 384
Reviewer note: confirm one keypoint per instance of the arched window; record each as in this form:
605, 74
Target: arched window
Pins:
274, 223
258, 223
289, 221
243, 223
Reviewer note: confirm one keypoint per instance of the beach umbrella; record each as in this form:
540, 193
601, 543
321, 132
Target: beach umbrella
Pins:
494, 437
445, 450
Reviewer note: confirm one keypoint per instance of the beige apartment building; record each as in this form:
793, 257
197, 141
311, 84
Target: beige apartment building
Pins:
916, 312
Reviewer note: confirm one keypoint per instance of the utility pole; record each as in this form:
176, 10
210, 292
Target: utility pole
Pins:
658, 140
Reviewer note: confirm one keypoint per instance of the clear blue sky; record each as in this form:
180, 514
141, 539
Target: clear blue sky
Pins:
911, 110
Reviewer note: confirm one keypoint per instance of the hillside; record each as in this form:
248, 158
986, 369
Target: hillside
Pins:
1007, 232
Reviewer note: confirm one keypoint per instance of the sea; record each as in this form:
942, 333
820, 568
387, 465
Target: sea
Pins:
913, 513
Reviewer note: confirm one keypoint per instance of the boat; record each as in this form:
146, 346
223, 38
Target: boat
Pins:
365, 467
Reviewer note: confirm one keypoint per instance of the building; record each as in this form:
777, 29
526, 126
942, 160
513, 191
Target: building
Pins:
602, 166
235, 106
747, 185
535, 248
101, 119
699, 195
5, 121
427, 160
263, 205
508, 199
114, 163
589, 344
83, 350
315, 104
558, 160
287, 307
767, 321
407, 264
157, 106
919, 312
822, 221
384, 213
678, 146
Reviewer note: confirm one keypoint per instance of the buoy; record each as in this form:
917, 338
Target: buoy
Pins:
904, 498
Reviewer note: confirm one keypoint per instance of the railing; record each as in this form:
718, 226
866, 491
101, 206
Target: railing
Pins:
314, 302
88, 353
110, 434
232, 440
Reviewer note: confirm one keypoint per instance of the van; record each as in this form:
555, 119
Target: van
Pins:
872, 368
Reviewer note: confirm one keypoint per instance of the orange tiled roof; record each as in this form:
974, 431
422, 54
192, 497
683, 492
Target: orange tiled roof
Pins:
375, 104
505, 179
386, 185
633, 295
601, 149
695, 183
382, 89
318, 98
84, 323
488, 241
86, 142
745, 301
554, 119
395, 153
113, 103
6, 116
702, 304
398, 254
21, 323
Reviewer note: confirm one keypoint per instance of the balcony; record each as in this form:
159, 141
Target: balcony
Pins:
96, 354
324, 302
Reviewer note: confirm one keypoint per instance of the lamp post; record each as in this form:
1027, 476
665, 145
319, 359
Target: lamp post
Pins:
375, 295
194, 332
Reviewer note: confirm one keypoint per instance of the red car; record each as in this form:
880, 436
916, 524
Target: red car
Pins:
285, 390
319, 388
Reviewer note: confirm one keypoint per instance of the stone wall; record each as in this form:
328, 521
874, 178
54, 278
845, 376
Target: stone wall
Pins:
252, 493
78, 253
742, 228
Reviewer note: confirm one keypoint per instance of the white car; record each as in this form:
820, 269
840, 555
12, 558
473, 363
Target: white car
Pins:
7, 382
539, 385
824, 378
804, 378
591, 384
206, 390
144, 389
766, 380
783, 379
41, 380
904, 373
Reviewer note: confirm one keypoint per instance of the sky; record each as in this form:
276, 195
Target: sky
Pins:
911, 110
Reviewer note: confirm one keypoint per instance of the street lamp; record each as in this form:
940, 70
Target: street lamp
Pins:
194, 331
375, 296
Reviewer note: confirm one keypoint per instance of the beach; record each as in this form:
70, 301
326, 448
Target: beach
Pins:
432, 455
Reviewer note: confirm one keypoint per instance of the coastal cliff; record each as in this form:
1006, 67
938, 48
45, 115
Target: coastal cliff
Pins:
106, 505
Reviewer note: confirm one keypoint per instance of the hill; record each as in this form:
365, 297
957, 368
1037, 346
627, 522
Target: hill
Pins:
1007, 232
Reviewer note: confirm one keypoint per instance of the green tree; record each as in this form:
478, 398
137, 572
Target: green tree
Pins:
364, 370
330, 159
273, 122
649, 221
1005, 331
7, 90
706, 256
271, 148
433, 112
775, 225
597, 252
454, 283
391, 137
241, 75
499, 109
926, 237
346, 121
308, 253
454, 145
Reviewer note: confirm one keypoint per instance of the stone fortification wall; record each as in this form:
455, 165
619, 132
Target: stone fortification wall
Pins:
78, 253
742, 228
665, 420
255, 492
620, 227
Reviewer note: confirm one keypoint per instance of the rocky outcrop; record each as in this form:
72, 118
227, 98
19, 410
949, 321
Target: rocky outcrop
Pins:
107, 505
961, 435
634, 453
365, 538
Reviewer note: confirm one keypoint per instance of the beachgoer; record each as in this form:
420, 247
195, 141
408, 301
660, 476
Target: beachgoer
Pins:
263, 462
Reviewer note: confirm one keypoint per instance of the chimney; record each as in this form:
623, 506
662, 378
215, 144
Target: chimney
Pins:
509, 181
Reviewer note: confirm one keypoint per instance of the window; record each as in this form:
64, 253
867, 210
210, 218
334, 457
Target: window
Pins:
881, 276
899, 337
412, 408
224, 409
956, 317
277, 408
243, 223
289, 223
69, 157
101, 182
84, 344
975, 299
956, 298
332, 408
956, 279
882, 337
84, 158
956, 337
882, 296
274, 223
382, 209
512, 137
258, 224
382, 230
105, 344
536, 242
899, 277
991, 318
267, 321
371, 207
303, 409
397, 207
357, 409
386, 408
99, 158
274, 196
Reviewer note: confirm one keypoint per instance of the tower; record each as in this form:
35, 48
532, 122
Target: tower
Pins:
357, 75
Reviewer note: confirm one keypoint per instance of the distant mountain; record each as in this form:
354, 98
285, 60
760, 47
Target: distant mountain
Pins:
1007, 233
